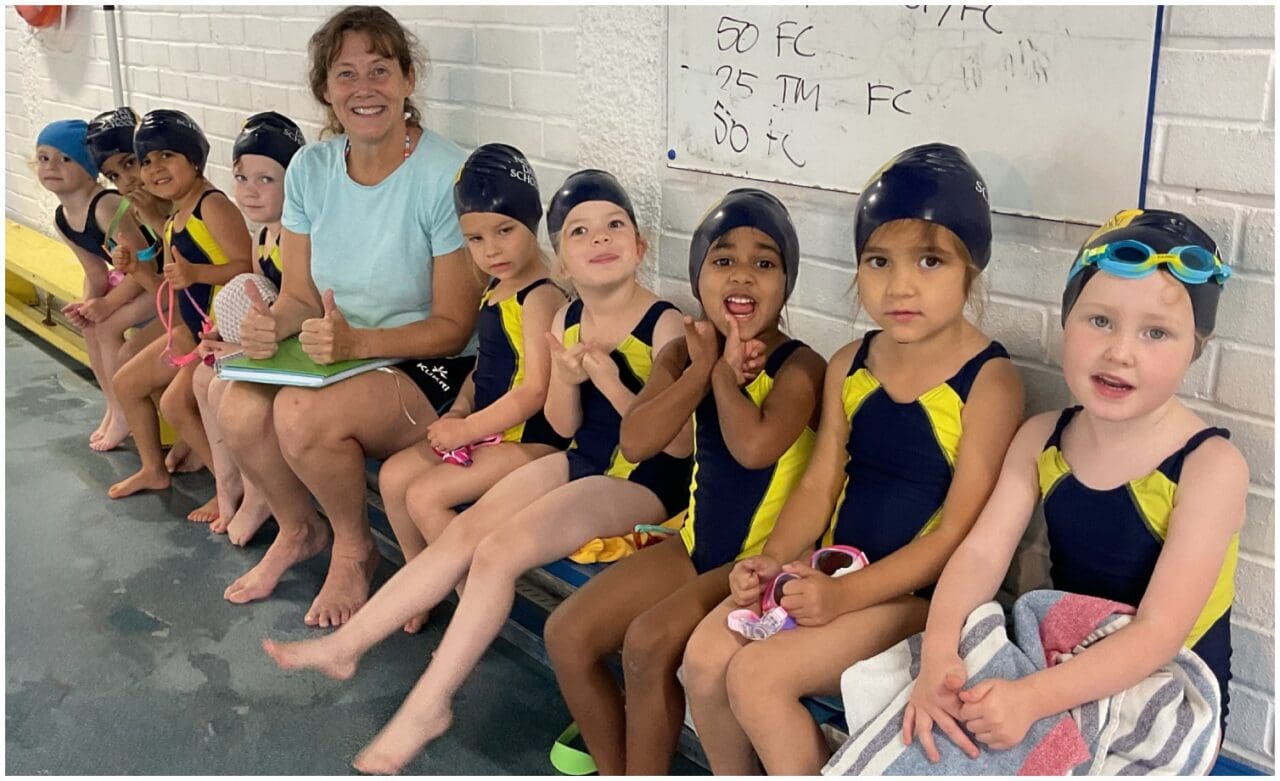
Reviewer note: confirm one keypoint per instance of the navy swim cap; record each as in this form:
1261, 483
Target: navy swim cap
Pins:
747, 207
590, 184
1162, 231
932, 182
497, 178
111, 133
271, 135
67, 136
172, 130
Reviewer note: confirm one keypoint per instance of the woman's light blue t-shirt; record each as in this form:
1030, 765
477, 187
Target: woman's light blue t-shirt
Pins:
374, 245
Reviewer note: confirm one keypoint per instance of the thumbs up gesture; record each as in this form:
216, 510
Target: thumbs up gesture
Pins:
179, 271
258, 327
124, 255
330, 338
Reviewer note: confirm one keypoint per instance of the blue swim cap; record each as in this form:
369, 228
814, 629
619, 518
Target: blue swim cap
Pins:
67, 136
111, 133
497, 178
590, 184
271, 135
746, 207
172, 130
1161, 231
931, 182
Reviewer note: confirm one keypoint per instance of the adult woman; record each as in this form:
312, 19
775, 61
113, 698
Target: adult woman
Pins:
369, 220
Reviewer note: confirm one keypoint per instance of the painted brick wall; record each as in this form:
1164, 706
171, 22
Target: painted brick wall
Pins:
579, 86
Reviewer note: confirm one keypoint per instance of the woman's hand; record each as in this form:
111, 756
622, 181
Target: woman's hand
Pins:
330, 338
935, 700
566, 362
258, 327
748, 578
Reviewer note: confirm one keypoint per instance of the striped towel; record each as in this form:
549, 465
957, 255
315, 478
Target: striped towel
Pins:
1166, 724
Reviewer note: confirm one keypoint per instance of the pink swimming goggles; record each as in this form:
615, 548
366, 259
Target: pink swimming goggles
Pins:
166, 319
835, 561
462, 455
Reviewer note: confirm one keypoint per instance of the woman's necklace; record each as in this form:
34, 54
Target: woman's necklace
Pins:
407, 143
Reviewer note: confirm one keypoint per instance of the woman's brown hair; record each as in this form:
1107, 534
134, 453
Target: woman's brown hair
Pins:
388, 38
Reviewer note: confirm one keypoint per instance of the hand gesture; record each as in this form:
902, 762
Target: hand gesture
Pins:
745, 358
814, 598
599, 365
95, 310
998, 712
330, 338
180, 273
566, 362
448, 433
748, 577
146, 206
701, 342
125, 256
935, 700
258, 327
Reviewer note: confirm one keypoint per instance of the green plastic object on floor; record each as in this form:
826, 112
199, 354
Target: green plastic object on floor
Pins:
569, 760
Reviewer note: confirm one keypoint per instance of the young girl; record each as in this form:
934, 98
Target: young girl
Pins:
754, 419
1143, 501
205, 245
111, 303
496, 195
602, 346
260, 155
110, 142
916, 418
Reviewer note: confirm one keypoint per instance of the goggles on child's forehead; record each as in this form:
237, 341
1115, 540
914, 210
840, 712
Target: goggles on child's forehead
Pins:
1133, 259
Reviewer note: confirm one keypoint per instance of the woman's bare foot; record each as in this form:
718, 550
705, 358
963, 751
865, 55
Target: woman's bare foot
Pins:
318, 654
205, 513
415, 624
288, 548
345, 588
401, 740
249, 518
142, 480
116, 432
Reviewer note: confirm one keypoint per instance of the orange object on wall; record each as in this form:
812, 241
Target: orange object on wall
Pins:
39, 16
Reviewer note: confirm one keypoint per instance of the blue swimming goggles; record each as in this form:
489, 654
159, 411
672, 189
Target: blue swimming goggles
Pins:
1133, 259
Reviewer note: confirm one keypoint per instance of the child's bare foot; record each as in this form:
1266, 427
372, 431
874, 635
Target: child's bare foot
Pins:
248, 519
345, 588
401, 740
116, 432
181, 459
102, 426
205, 513
415, 624
289, 548
318, 654
229, 490
142, 480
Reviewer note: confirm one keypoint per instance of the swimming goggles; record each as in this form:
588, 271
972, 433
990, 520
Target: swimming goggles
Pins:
1133, 259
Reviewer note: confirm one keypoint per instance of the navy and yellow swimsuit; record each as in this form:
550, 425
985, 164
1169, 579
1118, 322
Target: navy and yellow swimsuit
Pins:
901, 457
198, 246
269, 263
500, 365
594, 450
732, 509
1106, 543
93, 239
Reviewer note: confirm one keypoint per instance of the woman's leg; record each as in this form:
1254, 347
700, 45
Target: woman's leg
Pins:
134, 383
424, 581
249, 428
325, 435
179, 407
706, 660
108, 336
767, 679
590, 626
651, 655
551, 527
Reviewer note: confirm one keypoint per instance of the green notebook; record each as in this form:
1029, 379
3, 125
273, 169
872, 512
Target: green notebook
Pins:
291, 366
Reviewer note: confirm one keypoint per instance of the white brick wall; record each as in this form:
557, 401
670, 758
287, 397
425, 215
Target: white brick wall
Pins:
578, 86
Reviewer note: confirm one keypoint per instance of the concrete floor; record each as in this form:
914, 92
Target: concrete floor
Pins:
123, 658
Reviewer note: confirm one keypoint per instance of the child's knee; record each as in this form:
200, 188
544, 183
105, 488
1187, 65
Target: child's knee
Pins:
651, 644
494, 552
175, 404
706, 658
129, 383
568, 636
397, 475
751, 675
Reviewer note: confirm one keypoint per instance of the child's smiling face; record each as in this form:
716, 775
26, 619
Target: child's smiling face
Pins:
167, 174
599, 244
743, 277
1127, 344
121, 170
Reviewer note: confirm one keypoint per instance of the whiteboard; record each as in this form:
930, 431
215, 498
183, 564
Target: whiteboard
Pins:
1052, 104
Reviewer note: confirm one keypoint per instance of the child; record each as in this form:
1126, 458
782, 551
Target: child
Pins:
602, 347
206, 244
496, 196
260, 155
1143, 502
753, 436
111, 303
915, 421
110, 142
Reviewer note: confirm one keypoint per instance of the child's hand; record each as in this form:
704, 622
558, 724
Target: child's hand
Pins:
813, 599
211, 344
258, 327
95, 310
935, 700
748, 577
598, 365
125, 256
998, 712
330, 338
448, 433
72, 311
180, 273
701, 342
146, 206
566, 362
746, 359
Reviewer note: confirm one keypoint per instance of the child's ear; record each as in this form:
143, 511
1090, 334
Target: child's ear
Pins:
642, 245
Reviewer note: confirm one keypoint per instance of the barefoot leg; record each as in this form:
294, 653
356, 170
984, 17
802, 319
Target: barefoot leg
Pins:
109, 335
228, 483
134, 384
253, 512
